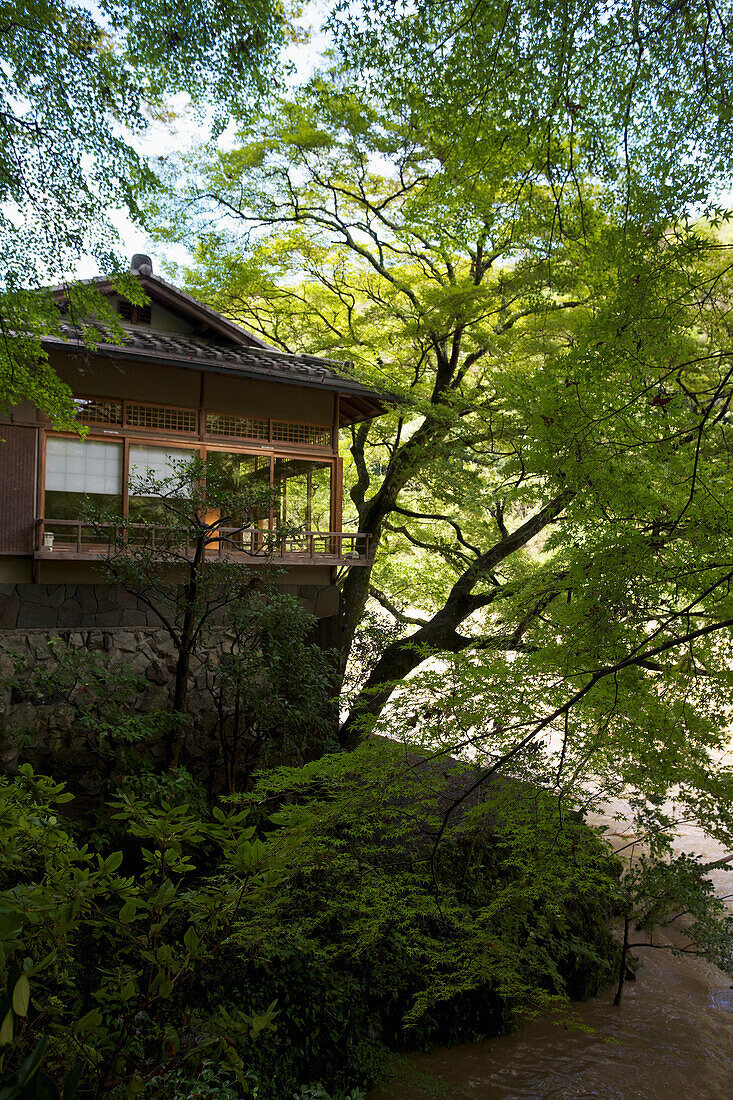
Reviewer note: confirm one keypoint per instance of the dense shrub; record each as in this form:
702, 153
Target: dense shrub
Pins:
282, 947
374, 942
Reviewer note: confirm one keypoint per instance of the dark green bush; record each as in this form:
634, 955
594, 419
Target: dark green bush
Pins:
293, 940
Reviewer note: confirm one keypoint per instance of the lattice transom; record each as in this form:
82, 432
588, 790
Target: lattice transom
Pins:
239, 427
311, 435
98, 412
160, 419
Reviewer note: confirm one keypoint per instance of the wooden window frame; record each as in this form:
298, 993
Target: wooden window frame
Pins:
104, 401
135, 311
329, 431
201, 448
184, 433
124, 427
200, 442
320, 448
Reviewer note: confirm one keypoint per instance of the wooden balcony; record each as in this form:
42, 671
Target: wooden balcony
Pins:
78, 540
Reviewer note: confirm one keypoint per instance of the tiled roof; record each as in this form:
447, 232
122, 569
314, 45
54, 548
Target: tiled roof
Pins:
250, 362
226, 348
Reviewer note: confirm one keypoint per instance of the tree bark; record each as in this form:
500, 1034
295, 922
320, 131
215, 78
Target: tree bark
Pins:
440, 633
622, 964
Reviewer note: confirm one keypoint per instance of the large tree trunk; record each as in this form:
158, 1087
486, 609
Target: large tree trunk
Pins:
397, 661
440, 633
354, 595
373, 512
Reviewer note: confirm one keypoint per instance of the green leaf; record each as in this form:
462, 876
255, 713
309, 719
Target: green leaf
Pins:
134, 1087
128, 911
128, 990
72, 1079
113, 861
191, 939
89, 1021
33, 1062
7, 1029
66, 915
10, 922
21, 996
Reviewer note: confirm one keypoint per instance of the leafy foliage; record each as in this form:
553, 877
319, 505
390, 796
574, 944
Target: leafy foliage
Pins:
79, 90
507, 917
548, 496
632, 94
558, 446
130, 970
102, 951
331, 899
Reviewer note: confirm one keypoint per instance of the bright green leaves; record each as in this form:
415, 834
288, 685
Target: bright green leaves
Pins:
90, 1021
551, 325
636, 98
263, 1021
100, 950
21, 996
128, 911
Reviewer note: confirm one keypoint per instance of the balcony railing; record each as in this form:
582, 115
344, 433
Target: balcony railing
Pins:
79, 540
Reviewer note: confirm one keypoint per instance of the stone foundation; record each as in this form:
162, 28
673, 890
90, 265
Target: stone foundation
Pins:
108, 622
86, 606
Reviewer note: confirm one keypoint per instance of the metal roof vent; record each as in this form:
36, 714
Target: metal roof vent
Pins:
141, 265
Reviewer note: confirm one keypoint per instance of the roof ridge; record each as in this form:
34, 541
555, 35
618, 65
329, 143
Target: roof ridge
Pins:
233, 328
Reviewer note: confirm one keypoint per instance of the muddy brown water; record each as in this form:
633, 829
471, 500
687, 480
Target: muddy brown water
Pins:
670, 1039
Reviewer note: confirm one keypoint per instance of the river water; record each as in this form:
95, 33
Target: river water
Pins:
670, 1039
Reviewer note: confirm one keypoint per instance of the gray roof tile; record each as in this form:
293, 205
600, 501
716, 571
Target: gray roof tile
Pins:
196, 351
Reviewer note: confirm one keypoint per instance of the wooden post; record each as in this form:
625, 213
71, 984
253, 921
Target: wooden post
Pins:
202, 405
337, 499
271, 510
40, 472
336, 424
125, 477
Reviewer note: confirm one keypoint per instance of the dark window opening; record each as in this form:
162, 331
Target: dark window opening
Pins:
137, 315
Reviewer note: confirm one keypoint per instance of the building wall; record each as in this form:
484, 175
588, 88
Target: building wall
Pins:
64, 606
15, 570
50, 603
35, 619
94, 375
18, 462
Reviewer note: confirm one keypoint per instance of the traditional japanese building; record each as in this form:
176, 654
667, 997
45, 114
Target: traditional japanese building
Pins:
185, 381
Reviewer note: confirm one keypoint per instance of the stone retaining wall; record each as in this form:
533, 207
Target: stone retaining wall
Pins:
82, 606
42, 732
110, 623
